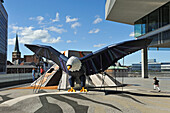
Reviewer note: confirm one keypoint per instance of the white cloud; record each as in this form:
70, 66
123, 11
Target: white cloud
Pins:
15, 28
68, 19
99, 45
60, 25
52, 40
26, 31
28, 35
11, 41
38, 18
94, 31
75, 32
76, 24
56, 18
31, 18
57, 30
98, 20
132, 34
70, 41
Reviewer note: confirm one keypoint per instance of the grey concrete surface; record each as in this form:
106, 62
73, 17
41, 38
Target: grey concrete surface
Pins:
137, 97
16, 77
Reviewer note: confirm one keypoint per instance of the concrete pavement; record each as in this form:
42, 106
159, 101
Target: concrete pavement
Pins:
137, 97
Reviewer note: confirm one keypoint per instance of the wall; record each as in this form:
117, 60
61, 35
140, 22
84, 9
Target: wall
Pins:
31, 58
15, 79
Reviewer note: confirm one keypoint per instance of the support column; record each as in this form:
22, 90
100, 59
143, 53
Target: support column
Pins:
144, 63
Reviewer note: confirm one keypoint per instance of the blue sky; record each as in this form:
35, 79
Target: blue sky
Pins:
67, 24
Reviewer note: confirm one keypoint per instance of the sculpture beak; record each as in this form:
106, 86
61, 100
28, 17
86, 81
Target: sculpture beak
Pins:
68, 67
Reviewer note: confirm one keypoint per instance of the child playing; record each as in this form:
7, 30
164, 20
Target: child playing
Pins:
156, 84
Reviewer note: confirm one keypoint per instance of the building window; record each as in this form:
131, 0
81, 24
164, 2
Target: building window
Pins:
3, 39
155, 40
165, 14
138, 28
144, 26
166, 36
153, 20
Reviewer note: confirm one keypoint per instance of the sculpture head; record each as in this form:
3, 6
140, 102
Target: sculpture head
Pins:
73, 64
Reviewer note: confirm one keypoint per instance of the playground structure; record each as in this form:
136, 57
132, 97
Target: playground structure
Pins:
86, 64
56, 77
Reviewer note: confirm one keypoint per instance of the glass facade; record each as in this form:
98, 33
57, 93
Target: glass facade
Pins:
153, 21
3, 38
151, 67
138, 28
156, 19
165, 14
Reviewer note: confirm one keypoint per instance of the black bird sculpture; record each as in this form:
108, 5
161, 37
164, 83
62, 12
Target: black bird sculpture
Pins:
92, 63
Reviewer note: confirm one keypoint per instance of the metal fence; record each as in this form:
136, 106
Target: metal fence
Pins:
15, 79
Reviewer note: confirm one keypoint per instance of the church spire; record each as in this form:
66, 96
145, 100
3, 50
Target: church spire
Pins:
16, 49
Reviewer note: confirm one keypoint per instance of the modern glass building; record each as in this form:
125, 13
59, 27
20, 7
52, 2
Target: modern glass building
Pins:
3, 37
151, 18
165, 66
157, 19
153, 66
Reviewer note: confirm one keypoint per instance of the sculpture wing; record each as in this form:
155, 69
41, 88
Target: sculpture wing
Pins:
51, 54
100, 60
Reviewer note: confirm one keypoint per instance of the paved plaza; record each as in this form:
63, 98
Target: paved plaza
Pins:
137, 96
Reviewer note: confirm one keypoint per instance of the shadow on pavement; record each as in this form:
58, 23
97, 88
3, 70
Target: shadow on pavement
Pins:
54, 108
120, 93
94, 101
49, 107
134, 85
5, 98
127, 96
107, 92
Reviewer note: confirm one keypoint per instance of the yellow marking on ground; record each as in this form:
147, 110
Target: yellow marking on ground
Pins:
48, 87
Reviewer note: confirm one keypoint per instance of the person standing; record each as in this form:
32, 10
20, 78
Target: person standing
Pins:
33, 74
41, 71
156, 84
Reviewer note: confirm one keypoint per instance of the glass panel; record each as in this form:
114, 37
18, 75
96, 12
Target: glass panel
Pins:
153, 20
138, 30
3, 40
144, 26
166, 36
155, 40
165, 15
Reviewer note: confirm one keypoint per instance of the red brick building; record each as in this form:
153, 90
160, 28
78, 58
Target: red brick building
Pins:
31, 58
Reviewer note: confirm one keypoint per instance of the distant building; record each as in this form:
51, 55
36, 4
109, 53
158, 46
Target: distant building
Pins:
3, 37
9, 63
165, 66
153, 66
20, 69
32, 58
16, 54
22, 65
